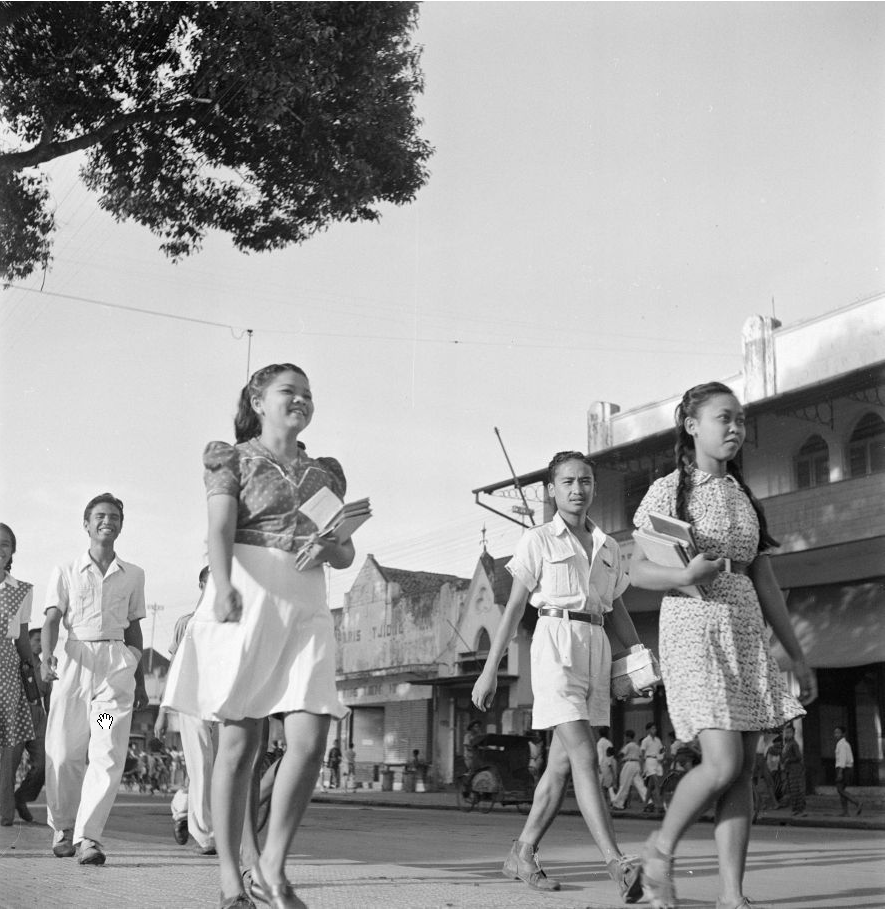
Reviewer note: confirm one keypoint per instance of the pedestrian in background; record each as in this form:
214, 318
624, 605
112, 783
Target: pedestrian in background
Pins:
262, 641
16, 717
572, 572
191, 805
794, 772
653, 768
333, 762
721, 681
843, 764
631, 772
101, 601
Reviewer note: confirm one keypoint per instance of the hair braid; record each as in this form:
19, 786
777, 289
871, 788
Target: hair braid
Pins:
766, 539
683, 452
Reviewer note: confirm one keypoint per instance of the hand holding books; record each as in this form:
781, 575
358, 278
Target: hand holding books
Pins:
335, 522
671, 543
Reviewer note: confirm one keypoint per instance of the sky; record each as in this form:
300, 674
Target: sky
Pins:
616, 188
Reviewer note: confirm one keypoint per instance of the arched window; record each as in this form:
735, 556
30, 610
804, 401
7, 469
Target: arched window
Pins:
483, 643
866, 446
811, 466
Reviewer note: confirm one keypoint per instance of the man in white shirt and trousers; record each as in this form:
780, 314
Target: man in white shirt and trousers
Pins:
843, 764
101, 601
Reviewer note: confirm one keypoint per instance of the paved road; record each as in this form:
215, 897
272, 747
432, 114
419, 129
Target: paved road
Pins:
363, 856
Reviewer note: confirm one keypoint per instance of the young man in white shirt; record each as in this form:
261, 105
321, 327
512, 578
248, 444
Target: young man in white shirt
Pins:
572, 572
101, 601
843, 764
653, 768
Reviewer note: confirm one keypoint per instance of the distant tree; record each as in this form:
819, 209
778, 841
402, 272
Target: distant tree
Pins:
267, 121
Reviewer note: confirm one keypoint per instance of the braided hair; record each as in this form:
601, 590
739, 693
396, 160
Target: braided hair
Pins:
246, 424
684, 454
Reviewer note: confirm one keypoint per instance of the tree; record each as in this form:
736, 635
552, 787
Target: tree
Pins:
268, 121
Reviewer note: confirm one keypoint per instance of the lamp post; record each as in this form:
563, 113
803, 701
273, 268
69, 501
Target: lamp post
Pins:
155, 609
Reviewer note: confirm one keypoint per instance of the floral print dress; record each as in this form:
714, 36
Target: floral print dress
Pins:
715, 660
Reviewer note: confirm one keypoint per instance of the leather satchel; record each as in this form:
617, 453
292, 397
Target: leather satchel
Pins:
634, 672
29, 682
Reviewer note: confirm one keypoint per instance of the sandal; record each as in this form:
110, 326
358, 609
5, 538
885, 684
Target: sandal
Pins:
625, 871
658, 875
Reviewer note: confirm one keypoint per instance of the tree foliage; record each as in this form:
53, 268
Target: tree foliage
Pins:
265, 120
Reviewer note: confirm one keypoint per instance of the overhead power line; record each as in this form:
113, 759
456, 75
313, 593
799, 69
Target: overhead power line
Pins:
466, 342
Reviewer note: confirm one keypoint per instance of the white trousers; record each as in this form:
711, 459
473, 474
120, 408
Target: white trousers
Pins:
630, 777
89, 718
198, 745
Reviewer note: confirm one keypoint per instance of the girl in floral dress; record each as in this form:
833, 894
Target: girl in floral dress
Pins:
262, 640
722, 684
16, 723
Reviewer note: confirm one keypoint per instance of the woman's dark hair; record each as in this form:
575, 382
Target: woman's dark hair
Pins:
246, 423
560, 457
109, 498
684, 455
11, 534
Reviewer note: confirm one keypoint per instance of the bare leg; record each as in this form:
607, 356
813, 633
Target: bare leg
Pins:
297, 774
237, 742
722, 762
732, 827
576, 739
249, 847
548, 795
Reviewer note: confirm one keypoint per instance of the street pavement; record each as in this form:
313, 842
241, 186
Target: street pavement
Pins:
373, 849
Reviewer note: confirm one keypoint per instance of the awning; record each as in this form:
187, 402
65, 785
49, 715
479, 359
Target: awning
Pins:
837, 625
467, 679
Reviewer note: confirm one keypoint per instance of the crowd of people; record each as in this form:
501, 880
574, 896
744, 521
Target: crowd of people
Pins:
260, 643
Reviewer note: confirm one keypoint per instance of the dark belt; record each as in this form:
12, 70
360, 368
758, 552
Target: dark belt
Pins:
595, 619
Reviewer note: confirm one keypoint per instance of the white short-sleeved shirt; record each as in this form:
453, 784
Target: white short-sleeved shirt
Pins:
23, 613
551, 562
96, 607
843, 754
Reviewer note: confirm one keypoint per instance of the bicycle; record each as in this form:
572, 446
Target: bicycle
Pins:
672, 778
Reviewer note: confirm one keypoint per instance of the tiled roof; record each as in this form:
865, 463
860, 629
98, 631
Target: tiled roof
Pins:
411, 582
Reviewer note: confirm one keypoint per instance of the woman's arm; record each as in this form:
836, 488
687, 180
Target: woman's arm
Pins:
484, 688
775, 612
701, 570
222, 509
621, 624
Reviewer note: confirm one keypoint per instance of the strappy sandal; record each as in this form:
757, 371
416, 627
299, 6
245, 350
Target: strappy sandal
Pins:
658, 875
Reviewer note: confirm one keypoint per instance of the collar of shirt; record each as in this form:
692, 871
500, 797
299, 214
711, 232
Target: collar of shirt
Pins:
700, 477
9, 580
87, 563
561, 528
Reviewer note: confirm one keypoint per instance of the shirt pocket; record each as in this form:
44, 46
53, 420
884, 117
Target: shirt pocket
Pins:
559, 576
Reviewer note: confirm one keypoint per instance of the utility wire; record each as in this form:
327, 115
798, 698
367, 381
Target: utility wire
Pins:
355, 335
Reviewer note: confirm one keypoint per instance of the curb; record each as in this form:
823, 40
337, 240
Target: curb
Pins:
861, 824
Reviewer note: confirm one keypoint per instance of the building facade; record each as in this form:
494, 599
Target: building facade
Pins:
813, 395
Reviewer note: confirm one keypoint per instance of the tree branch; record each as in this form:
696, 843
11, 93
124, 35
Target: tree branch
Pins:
46, 150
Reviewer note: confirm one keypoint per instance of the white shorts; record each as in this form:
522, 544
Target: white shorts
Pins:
571, 663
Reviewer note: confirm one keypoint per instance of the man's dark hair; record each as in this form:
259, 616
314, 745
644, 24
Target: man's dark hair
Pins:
204, 574
102, 497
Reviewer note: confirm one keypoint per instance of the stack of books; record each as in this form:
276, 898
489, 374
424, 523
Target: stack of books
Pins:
671, 542
334, 519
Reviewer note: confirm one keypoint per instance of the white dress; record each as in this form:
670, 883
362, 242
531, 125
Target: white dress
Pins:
715, 661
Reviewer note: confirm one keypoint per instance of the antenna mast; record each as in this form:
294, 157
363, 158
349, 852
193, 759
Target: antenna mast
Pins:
527, 511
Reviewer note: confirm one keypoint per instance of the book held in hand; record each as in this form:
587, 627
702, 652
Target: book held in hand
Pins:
333, 519
670, 542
